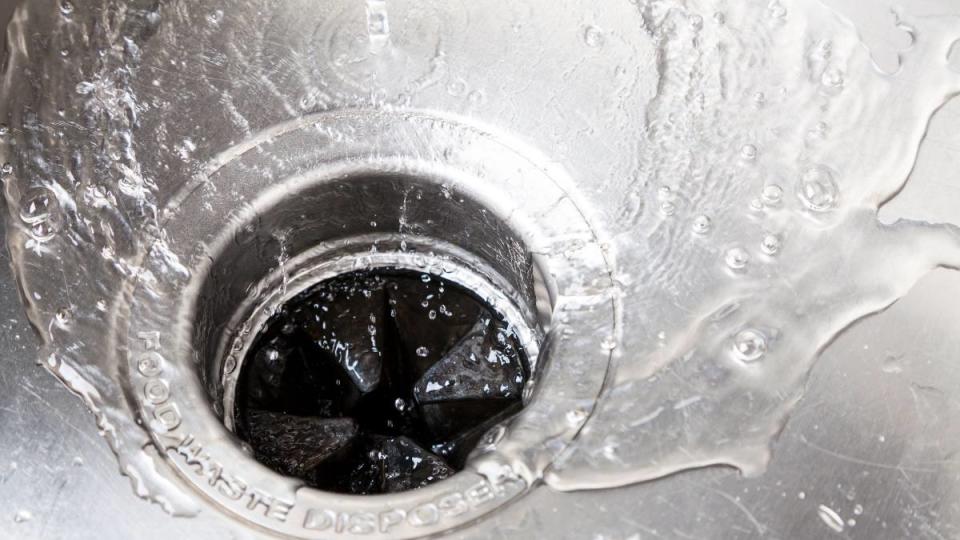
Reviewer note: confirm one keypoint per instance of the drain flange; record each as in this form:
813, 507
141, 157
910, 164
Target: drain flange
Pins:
405, 190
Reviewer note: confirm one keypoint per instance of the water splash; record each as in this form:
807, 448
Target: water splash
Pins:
744, 337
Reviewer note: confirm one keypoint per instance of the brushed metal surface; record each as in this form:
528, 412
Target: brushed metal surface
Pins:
874, 439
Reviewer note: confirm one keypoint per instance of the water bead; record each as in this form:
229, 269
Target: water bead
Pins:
750, 345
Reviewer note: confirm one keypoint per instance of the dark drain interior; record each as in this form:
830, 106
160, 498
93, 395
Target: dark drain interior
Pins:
377, 382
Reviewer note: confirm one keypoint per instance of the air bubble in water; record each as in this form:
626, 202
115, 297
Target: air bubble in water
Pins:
736, 258
748, 152
750, 345
4, 130
422, 351
66, 7
817, 189
6, 169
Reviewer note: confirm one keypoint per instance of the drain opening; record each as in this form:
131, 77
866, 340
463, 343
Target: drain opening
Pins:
378, 381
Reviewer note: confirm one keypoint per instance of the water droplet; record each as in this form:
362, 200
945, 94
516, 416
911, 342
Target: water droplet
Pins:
736, 258
832, 81
457, 87
609, 343
43, 231
36, 205
476, 97
576, 416
400, 404
83, 88
77, 462
425, 278
748, 152
22, 516
770, 244
702, 224
817, 189
750, 345
891, 364
63, 316
776, 10
772, 194
593, 36
830, 517
216, 17
667, 208
422, 351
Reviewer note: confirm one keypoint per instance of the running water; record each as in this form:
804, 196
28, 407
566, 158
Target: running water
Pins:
735, 155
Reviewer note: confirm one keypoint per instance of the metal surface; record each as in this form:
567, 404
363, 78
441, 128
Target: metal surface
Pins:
872, 443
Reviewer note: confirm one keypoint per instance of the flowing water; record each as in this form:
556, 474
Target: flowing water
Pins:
731, 155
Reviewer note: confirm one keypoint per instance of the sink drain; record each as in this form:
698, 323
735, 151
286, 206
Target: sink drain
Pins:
314, 214
378, 381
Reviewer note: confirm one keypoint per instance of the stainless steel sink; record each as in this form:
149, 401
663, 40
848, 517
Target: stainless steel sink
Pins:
424, 157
